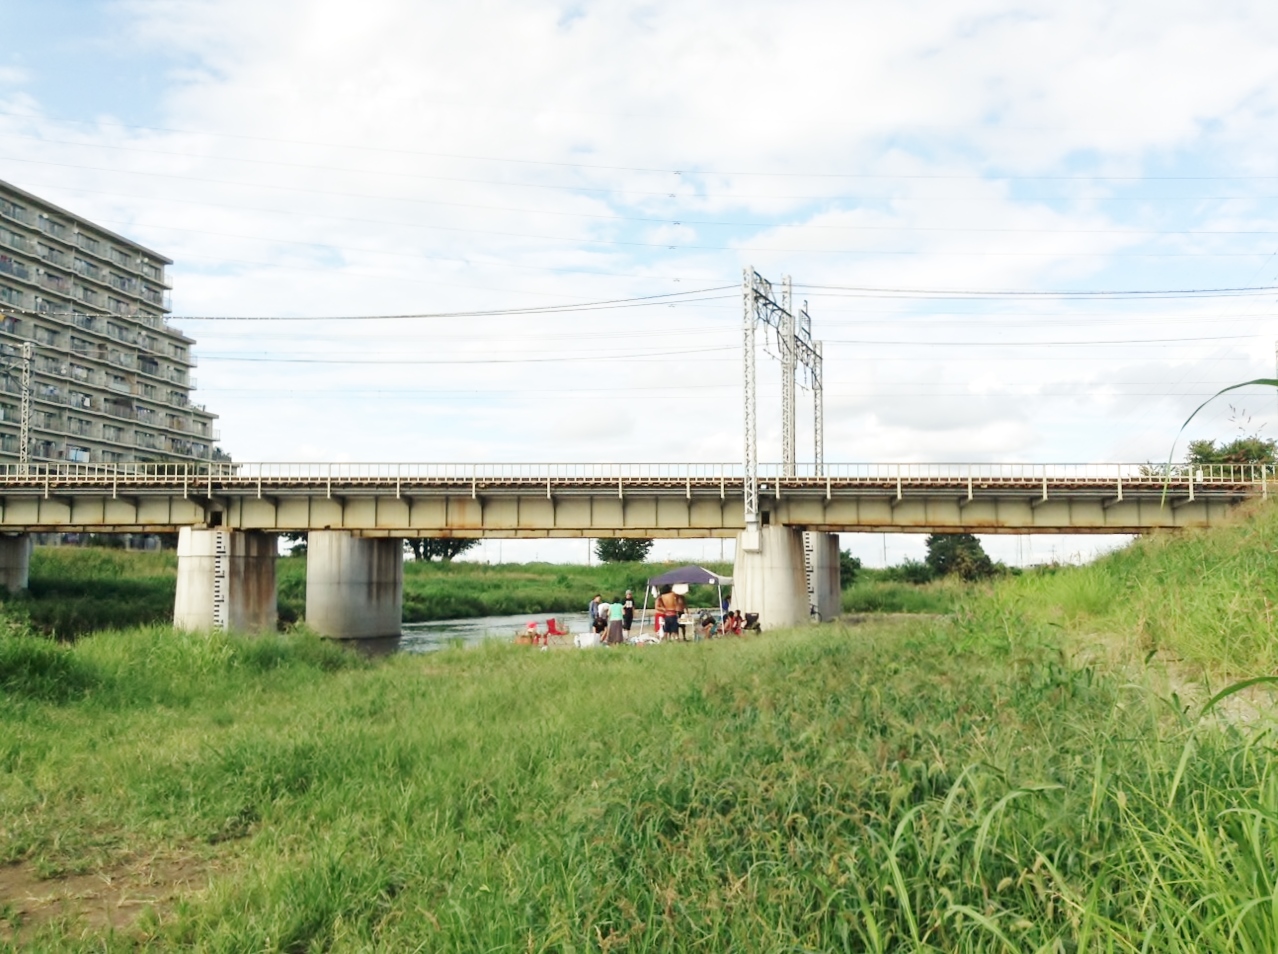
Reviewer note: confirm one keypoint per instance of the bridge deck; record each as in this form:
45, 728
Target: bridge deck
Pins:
591, 500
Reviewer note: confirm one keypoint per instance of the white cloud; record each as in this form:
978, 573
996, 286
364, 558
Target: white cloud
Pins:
335, 163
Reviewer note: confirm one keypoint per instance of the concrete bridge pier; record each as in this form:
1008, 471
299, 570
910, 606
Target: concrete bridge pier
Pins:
15, 561
225, 581
354, 585
822, 556
771, 580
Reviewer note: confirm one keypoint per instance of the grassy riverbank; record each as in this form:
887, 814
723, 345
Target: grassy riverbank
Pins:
983, 782
77, 590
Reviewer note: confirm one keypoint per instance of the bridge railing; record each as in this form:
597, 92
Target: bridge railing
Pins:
610, 473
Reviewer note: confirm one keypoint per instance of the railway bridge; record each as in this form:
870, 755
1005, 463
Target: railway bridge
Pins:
356, 515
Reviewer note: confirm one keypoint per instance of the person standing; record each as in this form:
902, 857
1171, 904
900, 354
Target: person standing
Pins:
594, 610
628, 612
616, 621
668, 609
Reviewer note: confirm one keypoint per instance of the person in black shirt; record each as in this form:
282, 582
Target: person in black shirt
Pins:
628, 612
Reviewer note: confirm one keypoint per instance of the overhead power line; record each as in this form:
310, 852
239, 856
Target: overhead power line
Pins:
642, 301
686, 169
853, 291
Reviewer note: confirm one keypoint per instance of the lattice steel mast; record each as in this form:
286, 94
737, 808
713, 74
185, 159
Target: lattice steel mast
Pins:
794, 337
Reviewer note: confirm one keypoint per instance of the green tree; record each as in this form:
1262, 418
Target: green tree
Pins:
849, 567
1252, 449
442, 549
960, 554
623, 549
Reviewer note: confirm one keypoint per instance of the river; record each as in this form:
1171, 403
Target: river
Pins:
441, 634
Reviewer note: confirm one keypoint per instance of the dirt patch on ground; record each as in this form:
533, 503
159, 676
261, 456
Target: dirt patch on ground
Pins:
110, 899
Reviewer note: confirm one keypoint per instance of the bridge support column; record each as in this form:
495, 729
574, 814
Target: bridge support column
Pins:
225, 581
824, 591
15, 561
354, 585
771, 580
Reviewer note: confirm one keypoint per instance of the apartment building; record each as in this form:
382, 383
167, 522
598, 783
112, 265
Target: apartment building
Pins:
110, 379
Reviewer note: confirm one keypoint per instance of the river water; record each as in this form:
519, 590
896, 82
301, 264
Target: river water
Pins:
429, 637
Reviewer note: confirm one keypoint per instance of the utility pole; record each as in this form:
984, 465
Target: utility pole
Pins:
794, 332
818, 405
750, 480
789, 364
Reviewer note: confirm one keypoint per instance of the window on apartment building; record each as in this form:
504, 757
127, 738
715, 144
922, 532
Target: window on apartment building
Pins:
148, 364
80, 399
8, 412
148, 390
49, 391
79, 425
42, 449
47, 419
199, 450
45, 336
177, 422
51, 226
10, 267
151, 271
11, 209
10, 295
120, 258
88, 243
77, 455
146, 414
50, 364
9, 324
118, 306
110, 432
112, 457
178, 398
85, 294
117, 382
79, 372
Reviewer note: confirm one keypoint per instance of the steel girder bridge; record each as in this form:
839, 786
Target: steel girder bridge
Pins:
603, 500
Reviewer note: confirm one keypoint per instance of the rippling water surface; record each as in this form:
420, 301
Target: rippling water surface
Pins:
428, 637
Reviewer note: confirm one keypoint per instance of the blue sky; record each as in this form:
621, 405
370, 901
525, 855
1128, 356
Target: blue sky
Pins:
299, 159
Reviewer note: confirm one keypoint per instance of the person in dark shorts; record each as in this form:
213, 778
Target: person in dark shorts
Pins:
668, 609
601, 619
628, 612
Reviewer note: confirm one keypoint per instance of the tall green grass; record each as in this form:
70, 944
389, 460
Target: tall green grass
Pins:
76, 590
1205, 597
953, 785
876, 595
